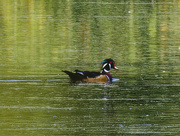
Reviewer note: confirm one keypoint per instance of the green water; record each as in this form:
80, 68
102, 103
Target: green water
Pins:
39, 39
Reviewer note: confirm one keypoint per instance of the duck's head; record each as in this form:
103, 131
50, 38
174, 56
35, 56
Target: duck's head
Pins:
107, 65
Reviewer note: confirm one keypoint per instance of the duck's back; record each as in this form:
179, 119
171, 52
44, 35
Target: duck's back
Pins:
88, 74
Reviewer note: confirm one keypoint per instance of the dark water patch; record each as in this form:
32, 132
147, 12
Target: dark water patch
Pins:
39, 39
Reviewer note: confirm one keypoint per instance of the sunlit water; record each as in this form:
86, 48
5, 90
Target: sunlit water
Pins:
39, 39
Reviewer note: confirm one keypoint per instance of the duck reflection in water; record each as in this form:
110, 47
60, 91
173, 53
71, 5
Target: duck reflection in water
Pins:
103, 76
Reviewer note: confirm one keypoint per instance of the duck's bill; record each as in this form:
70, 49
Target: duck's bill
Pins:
115, 68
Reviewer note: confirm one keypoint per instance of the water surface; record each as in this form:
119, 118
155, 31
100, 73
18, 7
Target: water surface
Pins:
39, 39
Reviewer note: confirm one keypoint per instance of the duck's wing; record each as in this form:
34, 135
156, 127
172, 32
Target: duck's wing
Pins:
88, 74
75, 76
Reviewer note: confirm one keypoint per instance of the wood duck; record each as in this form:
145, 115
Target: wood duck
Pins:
94, 77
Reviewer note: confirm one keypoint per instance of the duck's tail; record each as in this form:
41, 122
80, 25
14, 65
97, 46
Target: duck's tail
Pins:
74, 76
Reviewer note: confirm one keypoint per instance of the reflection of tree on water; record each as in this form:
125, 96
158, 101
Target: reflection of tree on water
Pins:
41, 38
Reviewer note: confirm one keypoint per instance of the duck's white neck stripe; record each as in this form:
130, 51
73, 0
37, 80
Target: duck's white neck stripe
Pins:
109, 66
106, 70
105, 65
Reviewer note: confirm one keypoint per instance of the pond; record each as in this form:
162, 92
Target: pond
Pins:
39, 39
